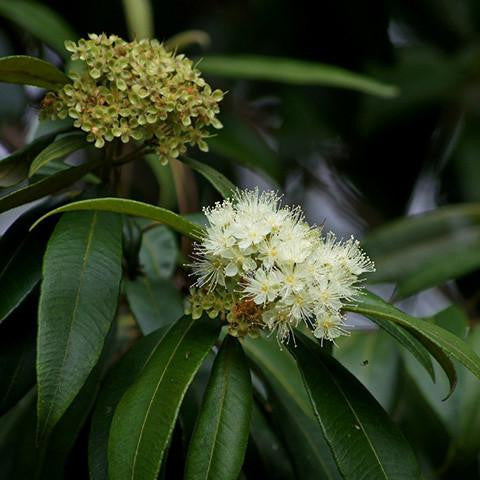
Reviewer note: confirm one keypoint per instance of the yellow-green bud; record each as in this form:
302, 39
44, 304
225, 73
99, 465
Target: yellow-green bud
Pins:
136, 90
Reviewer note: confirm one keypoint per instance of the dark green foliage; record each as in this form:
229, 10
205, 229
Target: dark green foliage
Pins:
362, 114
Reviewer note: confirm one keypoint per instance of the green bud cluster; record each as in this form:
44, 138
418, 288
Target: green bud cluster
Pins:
242, 317
136, 90
203, 300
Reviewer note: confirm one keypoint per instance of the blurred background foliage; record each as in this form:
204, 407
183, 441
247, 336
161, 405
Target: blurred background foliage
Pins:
355, 162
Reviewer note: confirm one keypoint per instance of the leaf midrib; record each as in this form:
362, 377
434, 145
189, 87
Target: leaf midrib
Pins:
147, 412
431, 336
279, 379
74, 314
220, 416
360, 424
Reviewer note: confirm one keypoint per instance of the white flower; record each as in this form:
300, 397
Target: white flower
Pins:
329, 326
238, 261
249, 233
209, 271
275, 269
263, 287
221, 215
269, 252
293, 278
218, 241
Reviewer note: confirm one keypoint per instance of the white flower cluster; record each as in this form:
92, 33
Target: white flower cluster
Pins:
261, 266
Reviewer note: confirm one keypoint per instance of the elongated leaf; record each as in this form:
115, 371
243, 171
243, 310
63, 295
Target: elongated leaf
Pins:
167, 195
79, 292
13, 427
23, 271
33, 460
281, 374
27, 70
303, 437
119, 379
154, 303
14, 167
415, 344
158, 253
345, 409
145, 417
405, 338
132, 207
373, 306
268, 448
447, 412
17, 357
60, 148
425, 250
280, 368
66, 431
219, 440
40, 21
21, 275
219, 181
373, 359
468, 420
240, 143
139, 16
292, 71
183, 40
46, 186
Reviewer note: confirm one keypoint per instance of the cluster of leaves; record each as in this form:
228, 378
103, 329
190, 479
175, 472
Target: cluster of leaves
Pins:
95, 349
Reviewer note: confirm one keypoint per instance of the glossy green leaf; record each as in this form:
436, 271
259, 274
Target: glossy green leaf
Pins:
448, 412
303, 437
373, 359
219, 440
21, 275
398, 332
60, 148
268, 447
428, 333
27, 70
132, 207
58, 166
15, 425
144, 419
79, 293
17, 357
158, 252
118, 380
297, 72
154, 303
65, 433
468, 420
39, 20
139, 16
47, 186
34, 460
406, 339
281, 374
18, 230
425, 250
14, 167
345, 409
23, 271
278, 367
219, 181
